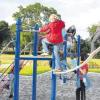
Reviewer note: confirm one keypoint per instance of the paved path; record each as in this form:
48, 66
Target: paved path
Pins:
64, 91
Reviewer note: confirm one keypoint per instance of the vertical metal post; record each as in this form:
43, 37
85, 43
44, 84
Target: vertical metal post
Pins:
35, 49
78, 50
78, 60
65, 58
78, 54
17, 55
65, 49
53, 80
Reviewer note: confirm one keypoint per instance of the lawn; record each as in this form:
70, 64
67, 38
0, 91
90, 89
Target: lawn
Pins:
43, 66
94, 62
96, 70
6, 60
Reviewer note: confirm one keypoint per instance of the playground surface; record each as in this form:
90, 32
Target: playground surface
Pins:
64, 91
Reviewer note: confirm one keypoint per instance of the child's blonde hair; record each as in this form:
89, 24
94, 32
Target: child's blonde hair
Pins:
53, 17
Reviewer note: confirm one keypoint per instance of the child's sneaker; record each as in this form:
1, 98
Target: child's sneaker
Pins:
58, 70
45, 54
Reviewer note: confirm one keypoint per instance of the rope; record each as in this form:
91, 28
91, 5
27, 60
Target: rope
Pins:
6, 46
77, 67
3, 51
13, 62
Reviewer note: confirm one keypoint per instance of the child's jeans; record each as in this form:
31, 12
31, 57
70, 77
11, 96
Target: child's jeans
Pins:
69, 45
45, 43
56, 48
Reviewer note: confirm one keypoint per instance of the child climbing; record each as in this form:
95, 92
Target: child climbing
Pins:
71, 31
82, 80
68, 37
54, 37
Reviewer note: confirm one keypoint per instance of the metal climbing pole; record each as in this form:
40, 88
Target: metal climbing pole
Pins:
78, 53
17, 56
35, 49
78, 50
53, 80
65, 50
78, 62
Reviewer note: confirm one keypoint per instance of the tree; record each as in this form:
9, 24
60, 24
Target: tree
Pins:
4, 32
30, 15
85, 46
94, 31
13, 29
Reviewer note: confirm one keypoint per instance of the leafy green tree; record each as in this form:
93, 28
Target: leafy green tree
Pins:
13, 29
85, 46
25, 38
92, 31
30, 15
4, 32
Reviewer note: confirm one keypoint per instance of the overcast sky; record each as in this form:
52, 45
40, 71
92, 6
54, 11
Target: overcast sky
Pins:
81, 13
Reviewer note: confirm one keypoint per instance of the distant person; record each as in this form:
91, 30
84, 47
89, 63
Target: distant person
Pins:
54, 37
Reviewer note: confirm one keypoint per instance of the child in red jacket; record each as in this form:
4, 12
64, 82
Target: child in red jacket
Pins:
82, 80
54, 37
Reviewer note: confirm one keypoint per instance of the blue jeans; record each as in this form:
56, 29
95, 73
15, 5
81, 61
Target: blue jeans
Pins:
56, 48
69, 45
45, 43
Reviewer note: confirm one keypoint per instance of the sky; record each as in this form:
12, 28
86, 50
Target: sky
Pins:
81, 13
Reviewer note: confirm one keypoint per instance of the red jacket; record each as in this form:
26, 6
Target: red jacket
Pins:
54, 31
84, 67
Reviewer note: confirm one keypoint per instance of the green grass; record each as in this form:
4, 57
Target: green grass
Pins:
94, 62
27, 70
6, 59
96, 70
43, 66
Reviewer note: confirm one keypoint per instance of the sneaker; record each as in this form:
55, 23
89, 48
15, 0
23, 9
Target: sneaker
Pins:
58, 70
45, 54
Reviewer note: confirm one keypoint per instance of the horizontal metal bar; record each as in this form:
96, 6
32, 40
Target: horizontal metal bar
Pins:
30, 30
35, 58
27, 31
72, 54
